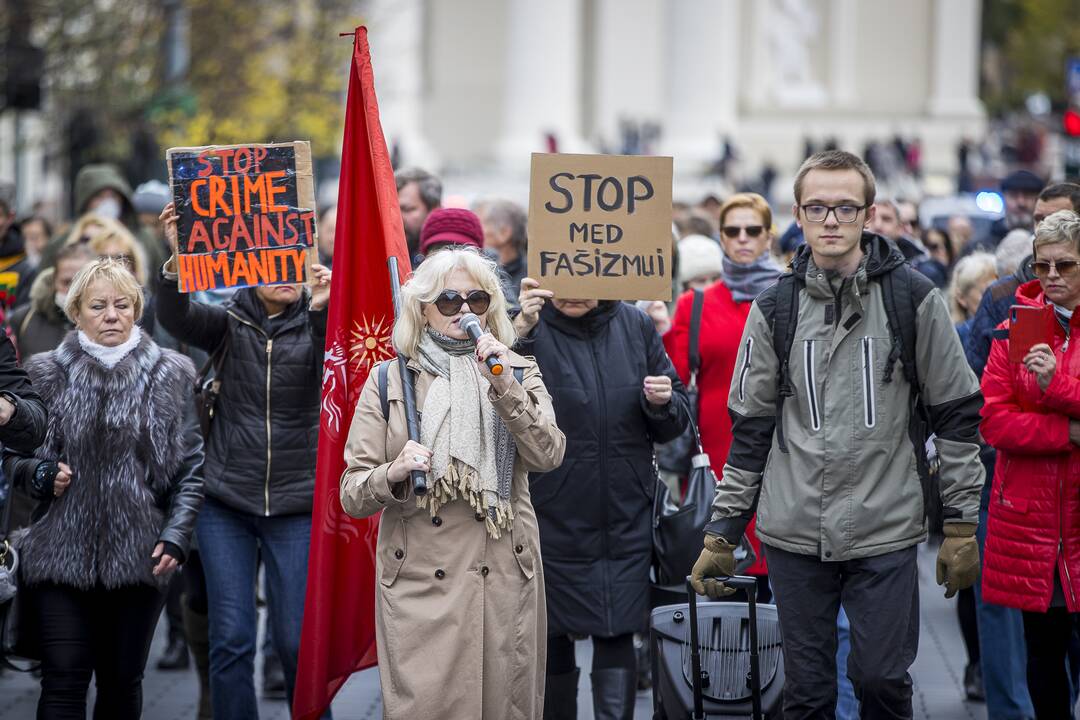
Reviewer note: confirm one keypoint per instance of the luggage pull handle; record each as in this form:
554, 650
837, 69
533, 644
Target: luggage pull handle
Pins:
738, 582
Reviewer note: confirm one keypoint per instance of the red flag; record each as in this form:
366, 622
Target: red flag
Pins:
339, 615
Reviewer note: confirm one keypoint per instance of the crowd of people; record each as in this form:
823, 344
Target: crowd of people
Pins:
833, 368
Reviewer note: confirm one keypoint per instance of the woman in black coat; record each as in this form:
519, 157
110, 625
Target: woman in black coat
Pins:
615, 393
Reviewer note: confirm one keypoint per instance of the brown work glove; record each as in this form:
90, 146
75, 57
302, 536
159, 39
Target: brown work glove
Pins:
717, 559
958, 558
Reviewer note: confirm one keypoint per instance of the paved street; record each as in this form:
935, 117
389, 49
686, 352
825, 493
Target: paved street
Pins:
938, 673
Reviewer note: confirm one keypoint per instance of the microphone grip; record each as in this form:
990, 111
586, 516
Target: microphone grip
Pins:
494, 365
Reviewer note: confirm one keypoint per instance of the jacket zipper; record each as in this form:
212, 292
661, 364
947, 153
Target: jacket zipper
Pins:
1065, 581
811, 383
269, 366
869, 401
747, 355
269, 362
603, 471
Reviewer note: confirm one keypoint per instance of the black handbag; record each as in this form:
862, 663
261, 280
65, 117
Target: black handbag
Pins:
208, 386
17, 636
676, 456
679, 529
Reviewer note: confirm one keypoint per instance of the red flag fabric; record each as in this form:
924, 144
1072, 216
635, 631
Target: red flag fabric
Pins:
339, 615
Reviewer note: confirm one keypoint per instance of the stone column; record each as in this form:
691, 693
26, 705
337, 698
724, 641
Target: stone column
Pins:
544, 73
399, 59
628, 71
843, 25
954, 81
703, 74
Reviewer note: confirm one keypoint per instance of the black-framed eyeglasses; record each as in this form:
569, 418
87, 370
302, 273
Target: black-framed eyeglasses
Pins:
732, 231
449, 302
1065, 268
843, 213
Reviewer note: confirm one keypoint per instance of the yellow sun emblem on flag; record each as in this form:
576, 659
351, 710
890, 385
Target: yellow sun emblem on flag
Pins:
371, 341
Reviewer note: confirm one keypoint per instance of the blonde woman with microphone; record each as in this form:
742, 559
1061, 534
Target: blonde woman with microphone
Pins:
461, 622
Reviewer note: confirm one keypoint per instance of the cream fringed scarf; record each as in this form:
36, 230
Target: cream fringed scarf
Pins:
472, 450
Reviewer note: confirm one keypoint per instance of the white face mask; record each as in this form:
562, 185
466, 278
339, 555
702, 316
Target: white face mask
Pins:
60, 299
109, 207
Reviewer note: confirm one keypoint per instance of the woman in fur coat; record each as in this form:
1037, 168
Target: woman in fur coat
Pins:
119, 484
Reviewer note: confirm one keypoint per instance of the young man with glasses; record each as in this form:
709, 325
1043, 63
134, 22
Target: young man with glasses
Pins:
841, 509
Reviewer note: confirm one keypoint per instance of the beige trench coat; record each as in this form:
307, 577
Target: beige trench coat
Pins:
461, 621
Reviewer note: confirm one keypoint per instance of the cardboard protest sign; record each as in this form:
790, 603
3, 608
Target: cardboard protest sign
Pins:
246, 214
600, 226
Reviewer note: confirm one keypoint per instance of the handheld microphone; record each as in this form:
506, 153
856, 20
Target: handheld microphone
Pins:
471, 325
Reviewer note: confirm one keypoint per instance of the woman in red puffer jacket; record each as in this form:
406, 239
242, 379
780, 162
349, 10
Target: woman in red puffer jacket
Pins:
1032, 416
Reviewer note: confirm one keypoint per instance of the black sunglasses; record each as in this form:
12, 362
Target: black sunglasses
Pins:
732, 231
449, 302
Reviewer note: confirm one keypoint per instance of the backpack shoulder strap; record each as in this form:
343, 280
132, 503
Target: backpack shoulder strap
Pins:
903, 291
384, 379
519, 374
783, 315
695, 335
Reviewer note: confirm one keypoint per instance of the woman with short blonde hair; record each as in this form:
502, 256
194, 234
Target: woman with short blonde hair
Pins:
460, 604
118, 481
970, 277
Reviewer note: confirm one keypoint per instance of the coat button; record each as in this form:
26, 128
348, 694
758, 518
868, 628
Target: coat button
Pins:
436, 521
479, 517
484, 571
828, 553
399, 553
440, 574
519, 548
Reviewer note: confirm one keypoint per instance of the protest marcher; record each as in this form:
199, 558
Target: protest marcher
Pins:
886, 222
260, 464
16, 269
450, 227
460, 618
832, 530
940, 246
1000, 295
615, 392
419, 192
700, 262
1001, 629
101, 189
40, 325
1020, 189
746, 270
970, 278
1013, 249
36, 232
1032, 419
506, 234
119, 484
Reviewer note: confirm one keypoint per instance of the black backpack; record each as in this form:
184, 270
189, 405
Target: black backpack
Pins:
903, 290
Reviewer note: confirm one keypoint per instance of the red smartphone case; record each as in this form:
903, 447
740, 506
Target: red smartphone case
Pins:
1029, 326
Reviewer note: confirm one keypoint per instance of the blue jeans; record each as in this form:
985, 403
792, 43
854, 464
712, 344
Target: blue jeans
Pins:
1003, 654
847, 707
229, 543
